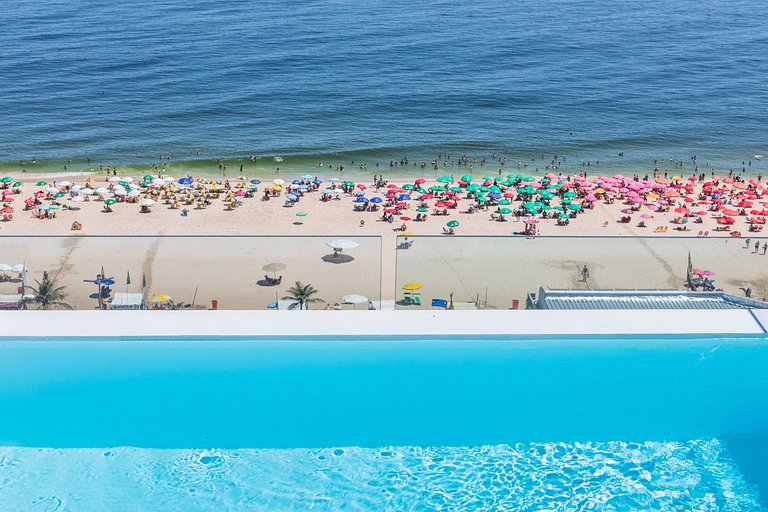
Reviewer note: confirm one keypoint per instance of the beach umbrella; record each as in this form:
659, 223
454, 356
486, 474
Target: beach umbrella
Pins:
376, 200
361, 200
278, 181
334, 180
505, 211
147, 202
408, 186
185, 181
404, 197
78, 199
17, 184
354, 299
256, 182
467, 178
410, 287
405, 218
452, 223
59, 195
505, 202
574, 207
422, 210
291, 197
445, 179
148, 177
160, 297
646, 216
41, 183
6, 179
110, 201
52, 190
7, 210
301, 214
134, 193
563, 215
342, 244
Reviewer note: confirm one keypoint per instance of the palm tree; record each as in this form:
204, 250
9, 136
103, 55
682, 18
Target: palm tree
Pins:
302, 295
175, 305
47, 295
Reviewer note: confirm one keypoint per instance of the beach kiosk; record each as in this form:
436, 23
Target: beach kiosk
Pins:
123, 300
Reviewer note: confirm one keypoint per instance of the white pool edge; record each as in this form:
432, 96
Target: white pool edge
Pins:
103, 324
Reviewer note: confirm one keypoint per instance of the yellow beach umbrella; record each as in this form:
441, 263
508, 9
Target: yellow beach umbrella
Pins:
412, 286
407, 233
160, 297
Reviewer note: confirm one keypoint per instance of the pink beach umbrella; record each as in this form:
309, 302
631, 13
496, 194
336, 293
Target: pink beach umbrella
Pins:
646, 216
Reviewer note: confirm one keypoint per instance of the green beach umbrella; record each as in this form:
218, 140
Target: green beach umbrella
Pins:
17, 184
505, 202
452, 223
507, 183
467, 178
445, 179
145, 183
109, 202
487, 178
566, 202
569, 194
125, 183
435, 188
301, 214
454, 189
505, 211
564, 216
7, 179
41, 183
484, 189
482, 199
546, 195
148, 177
494, 188
529, 178
473, 187
408, 186
574, 207
349, 184
58, 195
421, 190
53, 207
422, 210
558, 207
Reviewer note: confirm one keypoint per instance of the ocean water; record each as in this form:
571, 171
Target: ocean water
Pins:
87, 83
603, 423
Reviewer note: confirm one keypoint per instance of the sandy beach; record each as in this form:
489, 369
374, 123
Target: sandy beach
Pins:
217, 253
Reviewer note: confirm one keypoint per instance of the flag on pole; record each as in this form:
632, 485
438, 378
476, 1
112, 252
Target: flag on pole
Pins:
143, 280
128, 278
103, 275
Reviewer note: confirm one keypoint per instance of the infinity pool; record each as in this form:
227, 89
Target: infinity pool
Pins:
602, 423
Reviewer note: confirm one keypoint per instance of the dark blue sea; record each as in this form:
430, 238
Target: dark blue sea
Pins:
87, 82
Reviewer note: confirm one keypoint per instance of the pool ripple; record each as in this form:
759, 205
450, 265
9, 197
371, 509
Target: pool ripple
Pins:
695, 475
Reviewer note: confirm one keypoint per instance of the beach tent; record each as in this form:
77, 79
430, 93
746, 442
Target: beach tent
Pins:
124, 300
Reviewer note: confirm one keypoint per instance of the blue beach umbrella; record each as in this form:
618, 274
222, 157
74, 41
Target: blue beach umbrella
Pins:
361, 200
377, 200
317, 182
296, 182
185, 181
334, 180
359, 192
256, 182
307, 177
292, 197
404, 197
328, 191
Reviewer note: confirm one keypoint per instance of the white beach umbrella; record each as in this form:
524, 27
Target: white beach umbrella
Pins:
147, 202
134, 193
4, 267
354, 299
65, 183
78, 199
342, 244
115, 179
160, 182
120, 192
101, 191
87, 191
19, 267
52, 190
128, 179
76, 189
168, 179
278, 181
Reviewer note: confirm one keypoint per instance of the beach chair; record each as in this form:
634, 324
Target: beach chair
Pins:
416, 300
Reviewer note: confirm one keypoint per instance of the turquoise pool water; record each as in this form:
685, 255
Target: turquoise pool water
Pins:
375, 424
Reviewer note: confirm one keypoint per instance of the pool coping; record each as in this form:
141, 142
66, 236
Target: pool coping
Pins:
271, 324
